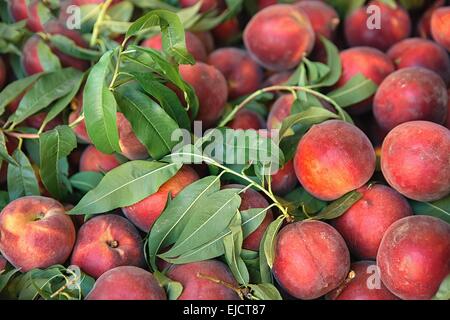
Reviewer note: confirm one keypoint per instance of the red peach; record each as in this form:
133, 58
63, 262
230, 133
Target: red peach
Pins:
127, 283
447, 123
324, 19
284, 180
415, 160
414, 257
35, 121
424, 24
18, 9
94, 160
247, 119
227, 31
277, 78
206, 38
2, 73
311, 259
364, 224
280, 110
440, 26
129, 144
30, 58
36, 19
35, 232
207, 5
339, 151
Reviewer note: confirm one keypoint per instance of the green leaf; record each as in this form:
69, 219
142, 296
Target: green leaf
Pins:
5, 277
86, 180
4, 199
69, 47
439, 209
21, 179
339, 206
122, 11
252, 219
333, 63
48, 88
99, 107
357, 89
265, 291
55, 145
173, 288
151, 124
15, 89
443, 292
270, 239
300, 199
49, 61
125, 185
4, 154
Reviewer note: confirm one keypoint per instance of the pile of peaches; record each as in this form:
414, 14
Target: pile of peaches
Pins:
358, 210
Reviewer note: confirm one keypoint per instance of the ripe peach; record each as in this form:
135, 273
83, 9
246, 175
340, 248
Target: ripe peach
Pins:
424, 24
18, 9
94, 160
284, 180
277, 78
415, 159
129, 144
127, 283
280, 110
252, 199
243, 75
196, 285
265, 3
35, 232
144, 213
371, 63
279, 36
362, 286
416, 52
414, 257
447, 123
440, 26
324, 19
364, 224
227, 31
80, 129
193, 45
207, 5
395, 25
409, 94
36, 20
211, 88
206, 38
247, 119
35, 121
339, 151
311, 259
30, 58
106, 242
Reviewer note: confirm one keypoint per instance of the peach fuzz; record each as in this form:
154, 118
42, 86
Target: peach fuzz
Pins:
279, 36
127, 283
311, 259
357, 288
339, 151
247, 119
35, 232
243, 75
197, 279
144, 213
410, 94
440, 26
395, 26
106, 242
94, 160
364, 224
415, 160
414, 257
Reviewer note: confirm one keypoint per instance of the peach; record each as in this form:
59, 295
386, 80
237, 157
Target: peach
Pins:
197, 279
144, 213
227, 31
30, 58
311, 259
414, 257
280, 110
371, 63
447, 123
210, 87
277, 78
243, 75
18, 9
415, 159
440, 26
94, 160
252, 199
409, 94
279, 36
36, 17
3, 263
193, 45
207, 5
206, 38
127, 283
416, 52
424, 24
265, 3
106, 242
338, 151
2, 73
284, 180
364, 224
324, 19
80, 129
362, 286
35, 121
35, 232
395, 25
247, 119
129, 144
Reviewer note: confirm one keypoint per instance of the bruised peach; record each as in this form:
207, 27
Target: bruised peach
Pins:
243, 75
364, 224
247, 119
199, 280
409, 94
365, 285
279, 36
414, 257
144, 213
210, 87
416, 52
193, 45
35, 232
311, 259
130, 146
440, 26
226, 31
94, 160
361, 27
371, 63
127, 283
338, 151
106, 242
284, 180
415, 159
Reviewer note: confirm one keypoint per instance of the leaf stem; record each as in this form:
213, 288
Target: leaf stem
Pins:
101, 16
